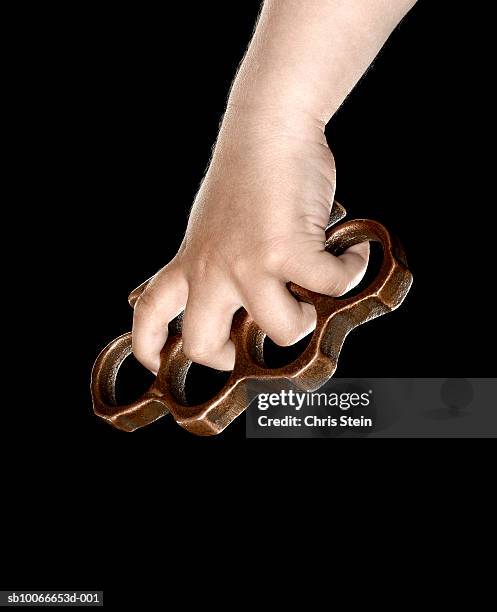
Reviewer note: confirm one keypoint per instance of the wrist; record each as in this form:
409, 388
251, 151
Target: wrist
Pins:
258, 123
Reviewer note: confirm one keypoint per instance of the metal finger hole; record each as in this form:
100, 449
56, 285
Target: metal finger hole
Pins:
278, 356
376, 257
203, 383
133, 380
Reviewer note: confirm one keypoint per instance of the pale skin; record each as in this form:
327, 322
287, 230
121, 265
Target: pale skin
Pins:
259, 218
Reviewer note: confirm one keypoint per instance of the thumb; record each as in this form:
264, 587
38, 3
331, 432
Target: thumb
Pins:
325, 273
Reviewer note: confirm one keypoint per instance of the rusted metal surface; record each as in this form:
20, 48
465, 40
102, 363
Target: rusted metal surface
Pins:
336, 317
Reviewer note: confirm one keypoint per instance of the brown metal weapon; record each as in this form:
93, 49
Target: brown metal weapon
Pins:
336, 317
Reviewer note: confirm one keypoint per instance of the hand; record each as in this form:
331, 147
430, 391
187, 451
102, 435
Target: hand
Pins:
259, 218
258, 222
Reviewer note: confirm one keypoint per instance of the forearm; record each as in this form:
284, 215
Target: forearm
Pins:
306, 55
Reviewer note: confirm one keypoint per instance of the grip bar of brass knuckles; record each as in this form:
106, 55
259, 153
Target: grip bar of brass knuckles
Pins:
335, 319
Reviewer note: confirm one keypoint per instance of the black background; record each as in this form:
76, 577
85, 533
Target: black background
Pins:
122, 110
143, 134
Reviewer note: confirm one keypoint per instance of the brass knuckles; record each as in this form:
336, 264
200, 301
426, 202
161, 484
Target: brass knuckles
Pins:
335, 319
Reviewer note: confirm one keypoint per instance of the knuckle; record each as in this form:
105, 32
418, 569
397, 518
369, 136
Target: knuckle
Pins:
146, 301
275, 258
286, 334
338, 286
197, 352
285, 337
265, 258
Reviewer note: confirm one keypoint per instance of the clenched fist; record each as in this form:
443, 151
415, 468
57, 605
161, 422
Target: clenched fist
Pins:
259, 218
258, 222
